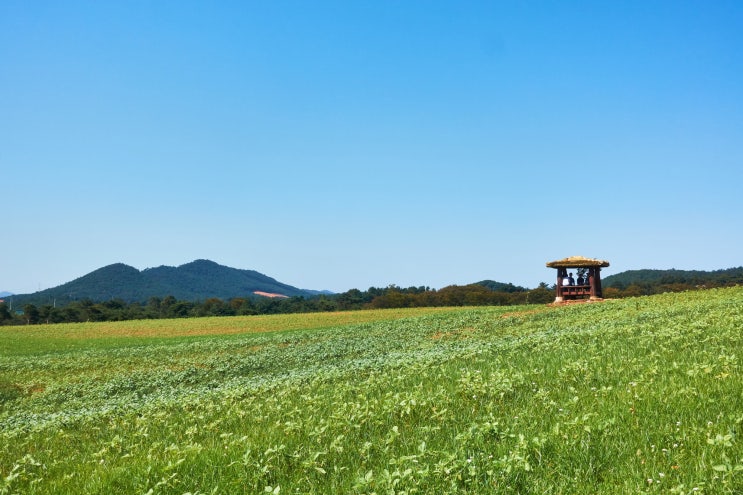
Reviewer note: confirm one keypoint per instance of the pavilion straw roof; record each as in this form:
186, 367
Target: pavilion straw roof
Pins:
577, 262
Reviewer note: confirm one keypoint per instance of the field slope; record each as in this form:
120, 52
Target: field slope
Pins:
640, 395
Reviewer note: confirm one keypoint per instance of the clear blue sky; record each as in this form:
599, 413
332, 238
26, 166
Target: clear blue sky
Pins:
342, 144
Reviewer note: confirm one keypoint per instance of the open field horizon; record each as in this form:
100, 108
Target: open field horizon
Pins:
639, 395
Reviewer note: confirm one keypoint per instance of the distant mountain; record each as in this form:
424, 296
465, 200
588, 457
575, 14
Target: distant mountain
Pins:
5, 294
623, 280
195, 281
501, 286
319, 292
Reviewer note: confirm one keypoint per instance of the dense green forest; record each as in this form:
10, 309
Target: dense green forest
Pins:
354, 299
647, 282
484, 293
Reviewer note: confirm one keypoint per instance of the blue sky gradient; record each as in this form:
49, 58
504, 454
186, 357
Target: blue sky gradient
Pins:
337, 145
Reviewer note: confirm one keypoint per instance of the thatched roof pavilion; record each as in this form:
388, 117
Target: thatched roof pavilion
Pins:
588, 286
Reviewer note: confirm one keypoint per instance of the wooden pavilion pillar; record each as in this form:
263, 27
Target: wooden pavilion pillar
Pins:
594, 280
561, 274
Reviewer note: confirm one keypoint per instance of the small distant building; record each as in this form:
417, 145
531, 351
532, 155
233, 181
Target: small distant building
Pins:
587, 287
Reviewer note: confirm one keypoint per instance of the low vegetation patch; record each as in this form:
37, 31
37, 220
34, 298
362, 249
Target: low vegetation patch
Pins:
640, 395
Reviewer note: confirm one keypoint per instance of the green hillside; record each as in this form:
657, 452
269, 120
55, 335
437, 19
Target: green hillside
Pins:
640, 395
715, 278
501, 286
195, 281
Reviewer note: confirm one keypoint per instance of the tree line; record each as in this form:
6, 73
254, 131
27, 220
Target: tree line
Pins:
649, 289
354, 299
633, 283
479, 294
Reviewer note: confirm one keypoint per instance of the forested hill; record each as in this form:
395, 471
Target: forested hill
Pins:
501, 286
195, 281
730, 276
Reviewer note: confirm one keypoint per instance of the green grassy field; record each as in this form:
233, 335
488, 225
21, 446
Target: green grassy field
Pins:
639, 395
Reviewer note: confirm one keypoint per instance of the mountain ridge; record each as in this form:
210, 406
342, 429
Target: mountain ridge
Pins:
197, 280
